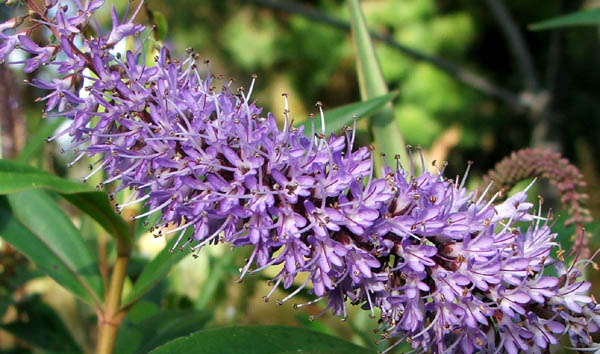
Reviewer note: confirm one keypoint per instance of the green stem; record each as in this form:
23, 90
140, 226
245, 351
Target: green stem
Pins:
384, 128
110, 317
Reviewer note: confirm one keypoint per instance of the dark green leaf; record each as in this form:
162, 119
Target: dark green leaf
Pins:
260, 340
580, 18
142, 310
43, 327
15, 271
36, 143
39, 229
157, 269
219, 275
139, 337
386, 133
337, 118
45, 257
16, 177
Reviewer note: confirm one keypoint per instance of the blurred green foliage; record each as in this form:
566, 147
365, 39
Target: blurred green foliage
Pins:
314, 61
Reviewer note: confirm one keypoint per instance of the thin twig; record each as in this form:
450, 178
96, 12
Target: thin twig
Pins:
465, 76
516, 43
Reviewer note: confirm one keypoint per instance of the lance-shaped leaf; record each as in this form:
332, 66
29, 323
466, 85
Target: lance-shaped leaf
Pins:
36, 143
16, 177
39, 229
219, 275
260, 340
339, 117
580, 18
157, 269
384, 128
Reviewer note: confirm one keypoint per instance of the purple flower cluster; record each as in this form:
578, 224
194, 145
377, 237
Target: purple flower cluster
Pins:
446, 271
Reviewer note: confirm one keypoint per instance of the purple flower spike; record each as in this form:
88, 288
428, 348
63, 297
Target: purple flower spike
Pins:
447, 271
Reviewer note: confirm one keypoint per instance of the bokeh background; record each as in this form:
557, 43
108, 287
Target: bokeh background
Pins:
474, 84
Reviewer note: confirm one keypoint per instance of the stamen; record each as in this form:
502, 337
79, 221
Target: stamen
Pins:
215, 234
320, 105
422, 159
86, 178
294, 292
268, 296
484, 193
286, 111
488, 203
169, 200
354, 119
466, 175
122, 206
70, 164
411, 159
311, 302
178, 240
247, 266
437, 316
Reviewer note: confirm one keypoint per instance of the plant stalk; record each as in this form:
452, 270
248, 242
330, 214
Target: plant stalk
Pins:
110, 317
386, 133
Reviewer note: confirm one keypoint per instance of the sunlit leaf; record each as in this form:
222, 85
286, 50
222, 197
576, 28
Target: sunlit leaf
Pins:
160, 21
339, 117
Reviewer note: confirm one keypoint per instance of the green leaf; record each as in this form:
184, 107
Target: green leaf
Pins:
260, 340
36, 143
41, 231
162, 25
157, 269
16, 177
337, 118
219, 275
140, 337
384, 128
42, 328
580, 18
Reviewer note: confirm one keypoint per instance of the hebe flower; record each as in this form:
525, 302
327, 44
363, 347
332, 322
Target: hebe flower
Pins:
448, 271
